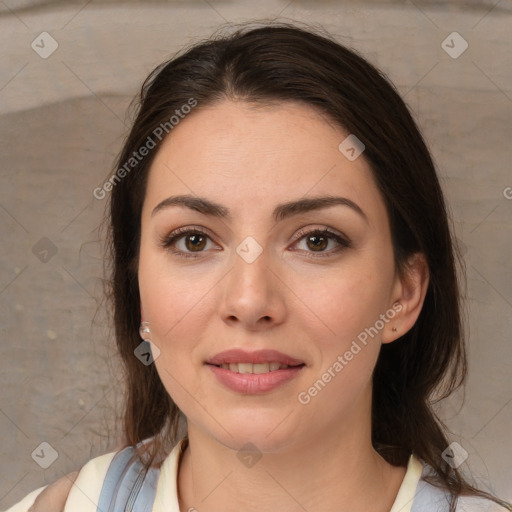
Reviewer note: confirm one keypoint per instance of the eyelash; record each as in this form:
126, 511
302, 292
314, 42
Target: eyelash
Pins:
168, 240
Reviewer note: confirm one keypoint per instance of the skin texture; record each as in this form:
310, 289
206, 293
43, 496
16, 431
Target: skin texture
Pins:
316, 456
54, 497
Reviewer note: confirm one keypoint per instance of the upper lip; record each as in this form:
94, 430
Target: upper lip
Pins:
258, 356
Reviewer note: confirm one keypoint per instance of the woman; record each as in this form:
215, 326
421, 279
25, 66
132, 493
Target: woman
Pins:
280, 242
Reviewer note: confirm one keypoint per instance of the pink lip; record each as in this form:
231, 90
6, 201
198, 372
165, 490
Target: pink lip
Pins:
249, 383
258, 356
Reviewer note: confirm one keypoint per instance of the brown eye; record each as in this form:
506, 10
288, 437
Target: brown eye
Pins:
317, 240
197, 242
191, 240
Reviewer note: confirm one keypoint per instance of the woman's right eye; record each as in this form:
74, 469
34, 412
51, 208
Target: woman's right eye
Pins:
192, 241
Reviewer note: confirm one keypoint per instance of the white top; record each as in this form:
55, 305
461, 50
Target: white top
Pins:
85, 493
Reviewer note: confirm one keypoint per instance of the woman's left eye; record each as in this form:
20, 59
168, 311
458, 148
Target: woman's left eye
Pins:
318, 239
195, 241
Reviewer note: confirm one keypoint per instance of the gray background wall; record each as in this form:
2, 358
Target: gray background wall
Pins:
62, 120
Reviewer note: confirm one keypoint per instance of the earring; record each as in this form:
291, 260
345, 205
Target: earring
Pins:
394, 329
154, 351
144, 331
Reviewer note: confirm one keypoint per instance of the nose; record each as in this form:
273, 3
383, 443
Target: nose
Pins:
253, 293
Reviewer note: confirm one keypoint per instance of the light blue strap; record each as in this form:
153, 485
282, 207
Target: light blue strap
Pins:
125, 489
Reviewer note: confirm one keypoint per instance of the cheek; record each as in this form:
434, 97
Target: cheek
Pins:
345, 346
174, 303
172, 295
345, 301
345, 329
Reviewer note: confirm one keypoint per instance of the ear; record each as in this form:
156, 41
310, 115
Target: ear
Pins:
408, 296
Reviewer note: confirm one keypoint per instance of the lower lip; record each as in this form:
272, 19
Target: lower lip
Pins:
251, 383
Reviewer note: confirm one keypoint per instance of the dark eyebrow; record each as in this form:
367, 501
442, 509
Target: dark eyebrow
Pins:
281, 211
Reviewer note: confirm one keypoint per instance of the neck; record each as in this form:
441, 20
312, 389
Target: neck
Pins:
337, 472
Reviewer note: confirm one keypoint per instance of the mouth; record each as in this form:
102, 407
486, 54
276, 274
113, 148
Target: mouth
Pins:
256, 368
254, 373
254, 362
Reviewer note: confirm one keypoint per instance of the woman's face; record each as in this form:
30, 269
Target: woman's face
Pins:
256, 282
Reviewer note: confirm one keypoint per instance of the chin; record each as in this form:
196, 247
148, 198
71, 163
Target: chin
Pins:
266, 436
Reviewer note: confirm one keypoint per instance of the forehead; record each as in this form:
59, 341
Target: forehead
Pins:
251, 156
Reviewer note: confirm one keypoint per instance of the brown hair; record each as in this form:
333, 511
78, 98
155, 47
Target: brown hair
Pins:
280, 62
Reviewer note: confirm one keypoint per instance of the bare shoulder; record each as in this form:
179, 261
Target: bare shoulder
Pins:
54, 497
